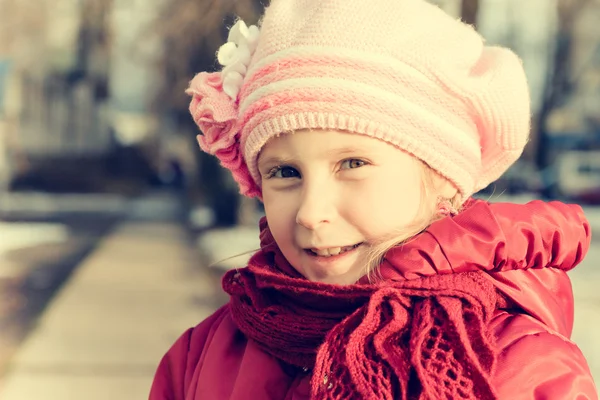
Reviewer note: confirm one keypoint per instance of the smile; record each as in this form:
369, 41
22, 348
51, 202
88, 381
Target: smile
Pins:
332, 251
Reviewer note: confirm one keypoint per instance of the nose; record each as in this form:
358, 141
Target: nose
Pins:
317, 207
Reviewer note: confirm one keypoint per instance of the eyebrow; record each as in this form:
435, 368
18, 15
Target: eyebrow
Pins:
274, 160
349, 150
342, 151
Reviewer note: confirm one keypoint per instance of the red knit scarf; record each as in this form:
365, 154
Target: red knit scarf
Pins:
421, 339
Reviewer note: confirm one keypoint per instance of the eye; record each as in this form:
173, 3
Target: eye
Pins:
352, 163
283, 172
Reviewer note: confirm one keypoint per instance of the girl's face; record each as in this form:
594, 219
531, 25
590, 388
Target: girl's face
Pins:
329, 195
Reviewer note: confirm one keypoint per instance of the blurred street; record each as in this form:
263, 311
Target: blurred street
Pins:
586, 280
43, 239
132, 287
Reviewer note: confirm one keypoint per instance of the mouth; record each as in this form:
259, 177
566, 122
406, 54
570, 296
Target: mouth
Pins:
331, 251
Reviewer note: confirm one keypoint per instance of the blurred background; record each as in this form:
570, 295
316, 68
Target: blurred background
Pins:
114, 227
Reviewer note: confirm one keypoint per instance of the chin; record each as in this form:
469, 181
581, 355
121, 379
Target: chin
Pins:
341, 270
338, 280
343, 278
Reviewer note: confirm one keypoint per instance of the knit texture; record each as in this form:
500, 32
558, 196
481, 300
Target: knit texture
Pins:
422, 339
402, 71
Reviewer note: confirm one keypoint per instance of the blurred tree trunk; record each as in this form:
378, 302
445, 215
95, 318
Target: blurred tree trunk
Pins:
468, 11
191, 32
560, 76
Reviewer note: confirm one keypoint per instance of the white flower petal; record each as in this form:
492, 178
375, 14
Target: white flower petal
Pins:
235, 56
238, 32
227, 53
231, 91
253, 33
234, 78
252, 40
252, 47
243, 54
232, 84
235, 67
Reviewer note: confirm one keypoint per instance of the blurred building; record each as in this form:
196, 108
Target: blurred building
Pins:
135, 82
55, 99
62, 79
77, 98
579, 112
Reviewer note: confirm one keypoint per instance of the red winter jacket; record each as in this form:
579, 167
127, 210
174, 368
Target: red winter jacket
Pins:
525, 249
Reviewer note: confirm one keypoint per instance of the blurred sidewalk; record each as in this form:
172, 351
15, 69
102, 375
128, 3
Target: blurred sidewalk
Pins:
585, 279
103, 335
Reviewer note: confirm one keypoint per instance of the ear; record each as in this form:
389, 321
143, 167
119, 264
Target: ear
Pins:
445, 188
449, 191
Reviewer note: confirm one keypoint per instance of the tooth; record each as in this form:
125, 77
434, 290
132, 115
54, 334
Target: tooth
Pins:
334, 251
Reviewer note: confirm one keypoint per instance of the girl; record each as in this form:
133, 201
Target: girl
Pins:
364, 128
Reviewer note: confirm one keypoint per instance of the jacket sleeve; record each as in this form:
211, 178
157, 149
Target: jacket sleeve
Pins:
537, 364
173, 374
498, 237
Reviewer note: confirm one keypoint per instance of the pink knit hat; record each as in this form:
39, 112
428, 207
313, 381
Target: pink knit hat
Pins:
402, 71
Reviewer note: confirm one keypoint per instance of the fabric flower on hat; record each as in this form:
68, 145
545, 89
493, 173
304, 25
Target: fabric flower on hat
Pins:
216, 113
235, 56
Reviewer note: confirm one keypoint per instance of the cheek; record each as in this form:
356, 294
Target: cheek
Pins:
398, 211
383, 206
281, 217
278, 205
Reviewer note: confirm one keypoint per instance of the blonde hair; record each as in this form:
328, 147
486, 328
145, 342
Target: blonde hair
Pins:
427, 213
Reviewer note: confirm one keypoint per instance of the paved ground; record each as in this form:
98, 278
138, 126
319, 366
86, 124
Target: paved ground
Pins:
586, 281
31, 275
42, 240
103, 335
